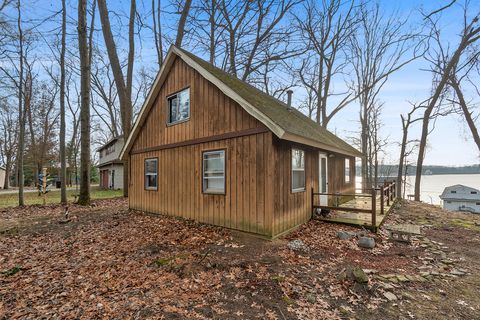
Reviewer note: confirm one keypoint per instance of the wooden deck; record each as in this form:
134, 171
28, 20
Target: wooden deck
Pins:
361, 209
356, 218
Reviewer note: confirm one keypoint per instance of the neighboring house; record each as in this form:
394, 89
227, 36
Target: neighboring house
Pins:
110, 167
209, 147
2, 177
461, 198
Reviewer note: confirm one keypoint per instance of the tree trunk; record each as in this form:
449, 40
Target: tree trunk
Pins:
21, 114
466, 112
63, 164
84, 196
428, 111
181, 23
402, 158
122, 89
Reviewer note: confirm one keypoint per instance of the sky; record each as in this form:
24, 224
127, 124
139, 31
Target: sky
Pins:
449, 144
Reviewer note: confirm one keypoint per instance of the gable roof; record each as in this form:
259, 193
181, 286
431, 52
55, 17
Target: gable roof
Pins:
461, 193
286, 123
109, 142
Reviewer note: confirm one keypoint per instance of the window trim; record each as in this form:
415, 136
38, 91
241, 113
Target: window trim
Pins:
145, 174
347, 160
168, 123
304, 188
207, 151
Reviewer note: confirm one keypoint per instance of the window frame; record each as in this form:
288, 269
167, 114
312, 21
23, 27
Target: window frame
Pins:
145, 174
304, 188
213, 151
168, 98
349, 180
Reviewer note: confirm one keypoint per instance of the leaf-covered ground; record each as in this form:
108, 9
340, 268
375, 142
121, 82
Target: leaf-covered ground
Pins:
108, 262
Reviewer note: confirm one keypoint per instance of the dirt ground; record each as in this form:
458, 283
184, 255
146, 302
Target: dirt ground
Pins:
109, 262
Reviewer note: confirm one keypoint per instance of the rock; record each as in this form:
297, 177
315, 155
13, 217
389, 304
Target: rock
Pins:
402, 278
311, 298
390, 296
387, 286
359, 275
345, 235
99, 305
297, 245
456, 272
366, 242
370, 271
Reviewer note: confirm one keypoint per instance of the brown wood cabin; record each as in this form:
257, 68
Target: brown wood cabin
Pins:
209, 147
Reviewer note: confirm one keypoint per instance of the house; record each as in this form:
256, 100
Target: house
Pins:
110, 167
461, 198
3, 173
209, 147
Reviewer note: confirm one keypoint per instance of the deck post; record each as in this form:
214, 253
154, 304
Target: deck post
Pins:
382, 199
374, 210
387, 187
312, 204
394, 189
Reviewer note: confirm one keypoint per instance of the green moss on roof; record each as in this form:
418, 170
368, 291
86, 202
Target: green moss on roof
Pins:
289, 119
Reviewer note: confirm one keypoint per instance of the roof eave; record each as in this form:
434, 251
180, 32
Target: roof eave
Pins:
310, 142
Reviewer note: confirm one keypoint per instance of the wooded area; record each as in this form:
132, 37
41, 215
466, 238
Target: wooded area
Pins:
71, 81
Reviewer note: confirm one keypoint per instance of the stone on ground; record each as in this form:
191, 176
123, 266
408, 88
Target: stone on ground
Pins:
390, 296
297, 245
366, 242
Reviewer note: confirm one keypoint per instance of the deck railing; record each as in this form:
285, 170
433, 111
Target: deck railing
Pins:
380, 197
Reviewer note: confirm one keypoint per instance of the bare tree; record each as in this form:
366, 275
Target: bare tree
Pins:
85, 62
379, 47
8, 138
63, 162
444, 65
21, 113
181, 23
325, 29
123, 91
157, 31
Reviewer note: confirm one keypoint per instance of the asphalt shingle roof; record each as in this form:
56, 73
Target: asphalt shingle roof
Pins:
289, 119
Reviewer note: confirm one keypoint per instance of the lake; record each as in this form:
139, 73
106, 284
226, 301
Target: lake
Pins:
432, 185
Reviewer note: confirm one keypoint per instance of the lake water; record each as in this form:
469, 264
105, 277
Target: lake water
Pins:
432, 185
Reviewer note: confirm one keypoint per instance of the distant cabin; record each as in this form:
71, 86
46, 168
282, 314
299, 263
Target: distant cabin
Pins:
209, 147
461, 198
110, 166
2, 177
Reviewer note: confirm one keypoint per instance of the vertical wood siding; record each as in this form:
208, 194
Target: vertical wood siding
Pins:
294, 208
211, 112
247, 204
258, 196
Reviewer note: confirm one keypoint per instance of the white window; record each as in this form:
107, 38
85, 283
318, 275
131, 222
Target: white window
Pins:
179, 106
151, 172
298, 170
347, 170
214, 171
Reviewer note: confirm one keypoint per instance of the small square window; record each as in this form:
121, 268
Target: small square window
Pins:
179, 106
151, 173
298, 170
214, 172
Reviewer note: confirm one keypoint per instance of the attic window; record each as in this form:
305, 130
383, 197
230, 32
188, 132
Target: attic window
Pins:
178, 106
473, 192
453, 191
